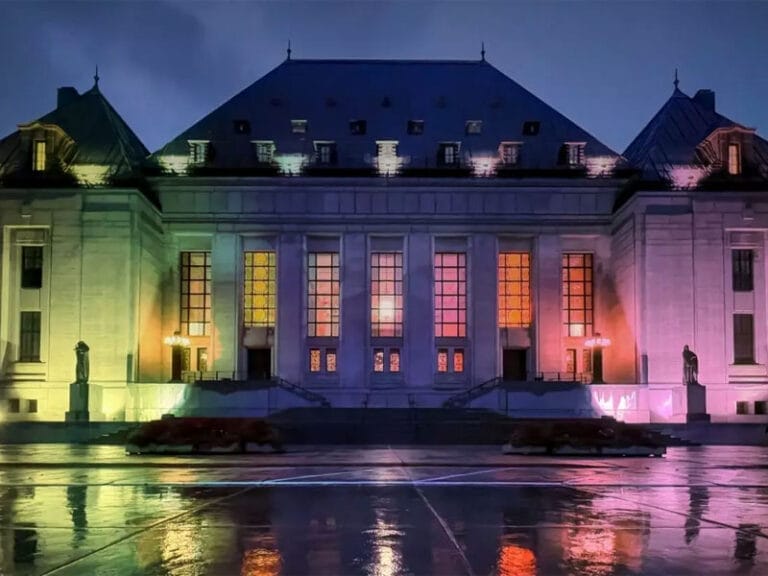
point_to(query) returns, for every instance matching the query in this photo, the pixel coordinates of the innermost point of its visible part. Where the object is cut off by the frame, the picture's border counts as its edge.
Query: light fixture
(596, 344)
(176, 340)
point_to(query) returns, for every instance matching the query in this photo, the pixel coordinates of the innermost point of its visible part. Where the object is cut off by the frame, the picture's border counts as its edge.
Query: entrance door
(514, 366)
(259, 363)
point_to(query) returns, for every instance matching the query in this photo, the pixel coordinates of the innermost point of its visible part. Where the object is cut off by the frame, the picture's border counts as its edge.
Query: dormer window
(574, 153)
(264, 150)
(199, 151)
(473, 127)
(387, 161)
(241, 126)
(415, 127)
(448, 154)
(509, 153)
(325, 152)
(734, 158)
(298, 126)
(38, 156)
(357, 127)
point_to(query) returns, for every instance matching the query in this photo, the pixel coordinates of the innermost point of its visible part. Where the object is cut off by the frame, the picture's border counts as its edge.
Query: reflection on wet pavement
(383, 512)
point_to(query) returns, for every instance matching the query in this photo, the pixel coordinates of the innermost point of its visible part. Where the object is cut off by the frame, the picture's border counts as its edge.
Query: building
(385, 233)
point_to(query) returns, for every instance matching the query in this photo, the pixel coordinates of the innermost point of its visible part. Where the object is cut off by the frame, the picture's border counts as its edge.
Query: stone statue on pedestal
(82, 369)
(690, 367)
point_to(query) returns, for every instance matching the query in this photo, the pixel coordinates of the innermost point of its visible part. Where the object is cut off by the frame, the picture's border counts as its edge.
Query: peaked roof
(100, 135)
(386, 94)
(673, 134)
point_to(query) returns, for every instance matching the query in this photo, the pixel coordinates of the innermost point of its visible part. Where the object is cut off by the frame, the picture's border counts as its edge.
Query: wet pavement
(91, 510)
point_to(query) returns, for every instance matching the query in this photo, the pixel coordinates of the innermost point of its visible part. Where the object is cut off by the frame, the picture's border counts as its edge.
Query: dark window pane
(743, 339)
(29, 341)
(31, 266)
(742, 270)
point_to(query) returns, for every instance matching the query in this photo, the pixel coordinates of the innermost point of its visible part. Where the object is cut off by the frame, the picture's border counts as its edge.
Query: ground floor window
(450, 360)
(743, 339)
(322, 360)
(386, 360)
(29, 338)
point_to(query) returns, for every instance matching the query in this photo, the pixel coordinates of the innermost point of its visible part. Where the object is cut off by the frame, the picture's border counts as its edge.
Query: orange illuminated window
(378, 360)
(394, 360)
(514, 289)
(314, 360)
(323, 294)
(450, 294)
(387, 294)
(442, 359)
(260, 290)
(458, 360)
(196, 293)
(734, 159)
(577, 294)
(330, 360)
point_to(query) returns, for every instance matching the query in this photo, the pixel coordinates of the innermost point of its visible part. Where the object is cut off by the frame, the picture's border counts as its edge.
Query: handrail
(461, 399)
(301, 391)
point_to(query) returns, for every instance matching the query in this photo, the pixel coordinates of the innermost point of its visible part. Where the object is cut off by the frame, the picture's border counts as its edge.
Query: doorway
(514, 364)
(259, 363)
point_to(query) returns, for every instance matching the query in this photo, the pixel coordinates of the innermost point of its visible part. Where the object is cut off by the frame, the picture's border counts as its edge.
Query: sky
(607, 65)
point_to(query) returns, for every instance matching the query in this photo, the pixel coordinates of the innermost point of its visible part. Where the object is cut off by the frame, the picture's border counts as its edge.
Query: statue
(82, 369)
(690, 367)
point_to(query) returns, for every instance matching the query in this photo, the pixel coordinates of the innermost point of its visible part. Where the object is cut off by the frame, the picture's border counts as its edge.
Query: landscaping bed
(203, 436)
(603, 437)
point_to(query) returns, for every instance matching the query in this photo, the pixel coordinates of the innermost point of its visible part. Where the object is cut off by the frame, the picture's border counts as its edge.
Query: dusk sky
(608, 66)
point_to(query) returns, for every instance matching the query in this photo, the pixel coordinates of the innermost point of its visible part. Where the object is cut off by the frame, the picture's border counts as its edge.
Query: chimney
(705, 99)
(66, 95)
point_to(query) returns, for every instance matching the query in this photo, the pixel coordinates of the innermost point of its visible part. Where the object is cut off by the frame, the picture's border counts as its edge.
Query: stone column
(290, 308)
(354, 311)
(547, 304)
(225, 256)
(419, 328)
(484, 343)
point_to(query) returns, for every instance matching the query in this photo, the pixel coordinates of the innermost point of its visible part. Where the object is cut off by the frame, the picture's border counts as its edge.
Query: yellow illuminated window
(38, 160)
(514, 289)
(323, 286)
(314, 360)
(260, 290)
(734, 159)
(450, 295)
(196, 293)
(387, 294)
(577, 294)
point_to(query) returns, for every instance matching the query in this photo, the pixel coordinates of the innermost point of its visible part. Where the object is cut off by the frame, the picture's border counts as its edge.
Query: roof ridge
(382, 61)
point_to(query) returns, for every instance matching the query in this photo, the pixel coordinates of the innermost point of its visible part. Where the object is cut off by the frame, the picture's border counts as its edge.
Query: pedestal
(696, 410)
(78, 403)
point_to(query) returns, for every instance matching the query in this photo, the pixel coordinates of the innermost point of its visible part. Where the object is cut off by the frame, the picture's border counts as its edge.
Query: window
(202, 359)
(314, 359)
(741, 261)
(458, 360)
(14, 405)
(570, 361)
(514, 285)
(509, 153)
(241, 126)
(586, 360)
(574, 153)
(199, 151)
(734, 159)
(264, 150)
(450, 295)
(577, 294)
(394, 360)
(448, 154)
(330, 360)
(743, 339)
(387, 161)
(196, 293)
(29, 340)
(442, 359)
(325, 152)
(323, 294)
(761, 407)
(32, 406)
(531, 127)
(386, 294)
(473, 127)
(298, 126)
(742, 407)
(38, 156)
(260, 293)
(378, 359)
(357, 127)
(415, 127)
(31, 267)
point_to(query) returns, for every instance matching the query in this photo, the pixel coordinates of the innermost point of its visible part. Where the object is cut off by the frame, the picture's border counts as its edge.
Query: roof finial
(676, 82)
(289, 49)
(96, 77)
(482, 51)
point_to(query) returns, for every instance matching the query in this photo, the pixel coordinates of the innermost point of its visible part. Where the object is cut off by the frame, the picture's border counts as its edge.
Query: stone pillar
(354, 311)
(485, 349)
(290, 353)
(225, 256)
(419, 328)
(547, 304)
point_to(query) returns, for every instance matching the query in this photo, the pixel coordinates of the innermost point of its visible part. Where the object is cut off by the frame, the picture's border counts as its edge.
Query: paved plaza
(91, 510)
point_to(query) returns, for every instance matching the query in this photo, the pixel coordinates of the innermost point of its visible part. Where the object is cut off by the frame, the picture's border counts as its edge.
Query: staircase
(466, 396)
(302, 392)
